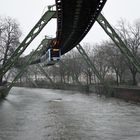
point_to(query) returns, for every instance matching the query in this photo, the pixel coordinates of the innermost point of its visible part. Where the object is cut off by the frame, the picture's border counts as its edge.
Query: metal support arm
(45, 73)
(26, 64)
(88, 61)
(29, 38)
(118, 41)
(107, 88)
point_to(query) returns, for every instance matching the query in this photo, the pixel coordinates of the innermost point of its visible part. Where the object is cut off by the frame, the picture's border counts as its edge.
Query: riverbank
(3, 92)
(127, 93)
(122, 92)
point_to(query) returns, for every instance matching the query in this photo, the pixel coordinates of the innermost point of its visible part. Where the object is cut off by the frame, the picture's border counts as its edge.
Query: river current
(45, 114)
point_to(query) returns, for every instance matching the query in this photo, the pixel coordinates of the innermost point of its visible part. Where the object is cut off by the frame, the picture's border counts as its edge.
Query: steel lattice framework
(29, 38)
(74, 19)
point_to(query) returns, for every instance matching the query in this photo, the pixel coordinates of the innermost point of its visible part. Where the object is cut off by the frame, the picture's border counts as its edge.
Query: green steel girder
(118, 41)
(28, 39)
(45, 73)
(26, 64)
(106, 86)
(88, 61)
(30, 80)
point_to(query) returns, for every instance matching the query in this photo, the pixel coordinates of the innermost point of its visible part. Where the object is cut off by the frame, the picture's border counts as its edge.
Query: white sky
(28, 12)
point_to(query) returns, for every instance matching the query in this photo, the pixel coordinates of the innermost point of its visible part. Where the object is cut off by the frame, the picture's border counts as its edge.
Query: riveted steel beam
(28, 39)
(107, 88)
(25, 65)
(118, 41)
(88, 61)
(31, 80)
(45, 73)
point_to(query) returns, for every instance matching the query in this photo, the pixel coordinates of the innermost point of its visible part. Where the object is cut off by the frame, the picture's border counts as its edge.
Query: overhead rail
(74, 19)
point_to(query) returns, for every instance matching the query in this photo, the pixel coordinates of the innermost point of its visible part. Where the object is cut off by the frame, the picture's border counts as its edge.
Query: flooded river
(43, 114)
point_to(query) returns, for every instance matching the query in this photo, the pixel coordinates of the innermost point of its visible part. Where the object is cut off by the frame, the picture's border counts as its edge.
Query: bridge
(38, 113)
(74, 20)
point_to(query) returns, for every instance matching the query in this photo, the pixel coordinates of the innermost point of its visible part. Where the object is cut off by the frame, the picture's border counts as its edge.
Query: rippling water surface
(42, 114)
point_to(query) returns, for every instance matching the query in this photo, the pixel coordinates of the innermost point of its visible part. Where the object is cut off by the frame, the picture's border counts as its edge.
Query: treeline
(109, 61)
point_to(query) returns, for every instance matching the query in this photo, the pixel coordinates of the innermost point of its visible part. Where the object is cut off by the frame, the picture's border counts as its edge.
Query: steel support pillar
(28, 39)
(33, 82)
(26, 64)
(118, 41)
(45, 73)
(107, 88)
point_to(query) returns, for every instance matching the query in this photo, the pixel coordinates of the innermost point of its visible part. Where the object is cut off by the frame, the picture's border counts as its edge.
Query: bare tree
(9, 39)
(69, 68)
(131, 36)
(86, 70)
(117, 62)
(101, 60)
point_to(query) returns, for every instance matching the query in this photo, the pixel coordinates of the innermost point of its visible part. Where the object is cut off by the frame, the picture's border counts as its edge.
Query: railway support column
(31, 80)
(106, 87)
(35, 54)
(118, 41)
(28, 39)
(45, 73)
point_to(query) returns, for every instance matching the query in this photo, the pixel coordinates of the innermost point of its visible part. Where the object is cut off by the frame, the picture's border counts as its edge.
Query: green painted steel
(29, 38)
(45, 73)
(107, 88)
(31, 80)
(118, 41)
(88, 61)
(26, 64)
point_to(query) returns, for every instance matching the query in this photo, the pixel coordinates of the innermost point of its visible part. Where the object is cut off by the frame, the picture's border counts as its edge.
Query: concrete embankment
(126, 93)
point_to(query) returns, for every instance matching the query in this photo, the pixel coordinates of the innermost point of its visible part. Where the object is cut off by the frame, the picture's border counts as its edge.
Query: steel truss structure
(28, 39)
(106, 87)
(45, 73)
(37, 29)
(118, 41)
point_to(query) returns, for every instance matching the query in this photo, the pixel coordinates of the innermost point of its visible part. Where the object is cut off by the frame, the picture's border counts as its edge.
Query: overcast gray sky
(28, 12)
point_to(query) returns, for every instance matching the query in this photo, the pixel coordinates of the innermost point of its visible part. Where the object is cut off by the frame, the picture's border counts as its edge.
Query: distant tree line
(72, 69)
(110, 62)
